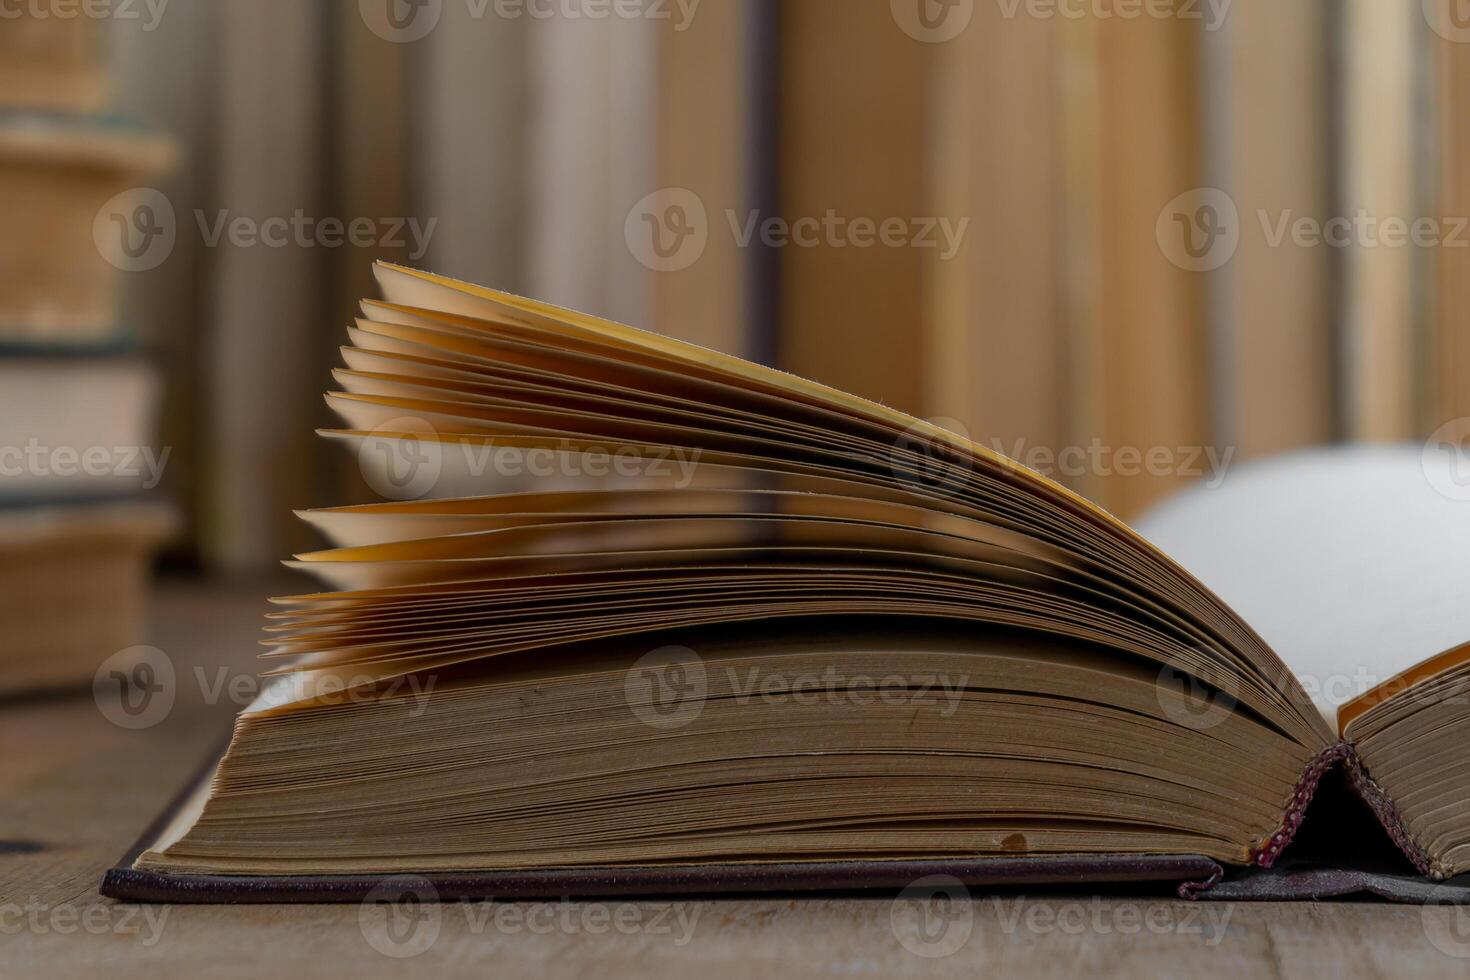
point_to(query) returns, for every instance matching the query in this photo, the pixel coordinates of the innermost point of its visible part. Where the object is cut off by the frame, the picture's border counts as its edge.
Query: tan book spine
(852, 143)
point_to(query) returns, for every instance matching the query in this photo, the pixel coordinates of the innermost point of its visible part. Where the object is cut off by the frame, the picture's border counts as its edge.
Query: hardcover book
(79, 524)
(67, 190)
(751, 633)
(73, 586)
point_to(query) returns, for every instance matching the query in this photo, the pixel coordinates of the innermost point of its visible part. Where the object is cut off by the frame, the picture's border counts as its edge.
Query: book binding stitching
(1388, 814)
(1268, 851)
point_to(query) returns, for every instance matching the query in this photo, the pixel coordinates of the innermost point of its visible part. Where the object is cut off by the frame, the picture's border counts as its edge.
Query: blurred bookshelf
(79, 400)
(1063, 143)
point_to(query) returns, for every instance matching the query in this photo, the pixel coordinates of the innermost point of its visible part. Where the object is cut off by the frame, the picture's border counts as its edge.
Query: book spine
(1265, 854)
(1388, 814)
(1378, 801)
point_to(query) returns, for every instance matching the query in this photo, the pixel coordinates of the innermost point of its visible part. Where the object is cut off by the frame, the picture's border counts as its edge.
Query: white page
(1353, 563)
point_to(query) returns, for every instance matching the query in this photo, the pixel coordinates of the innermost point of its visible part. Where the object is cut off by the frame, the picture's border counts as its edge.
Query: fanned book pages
(656, 618)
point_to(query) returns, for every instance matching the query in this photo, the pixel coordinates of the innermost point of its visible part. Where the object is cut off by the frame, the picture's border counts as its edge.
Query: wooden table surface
(77, 790)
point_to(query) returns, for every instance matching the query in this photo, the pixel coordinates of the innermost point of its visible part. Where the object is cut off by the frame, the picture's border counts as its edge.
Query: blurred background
(1130, 242)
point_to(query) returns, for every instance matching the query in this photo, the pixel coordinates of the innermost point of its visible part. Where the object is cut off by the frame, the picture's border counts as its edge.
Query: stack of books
(79, 467)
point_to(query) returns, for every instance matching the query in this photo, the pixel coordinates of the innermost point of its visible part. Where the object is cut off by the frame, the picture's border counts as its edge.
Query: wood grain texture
(78, 790)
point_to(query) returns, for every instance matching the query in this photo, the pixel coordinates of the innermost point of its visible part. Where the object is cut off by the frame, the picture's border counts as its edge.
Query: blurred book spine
(57, 173)
(1448, 352)
(79, 521)
(51, 62)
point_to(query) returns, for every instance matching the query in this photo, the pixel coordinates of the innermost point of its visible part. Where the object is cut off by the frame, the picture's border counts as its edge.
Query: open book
(684, 622)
